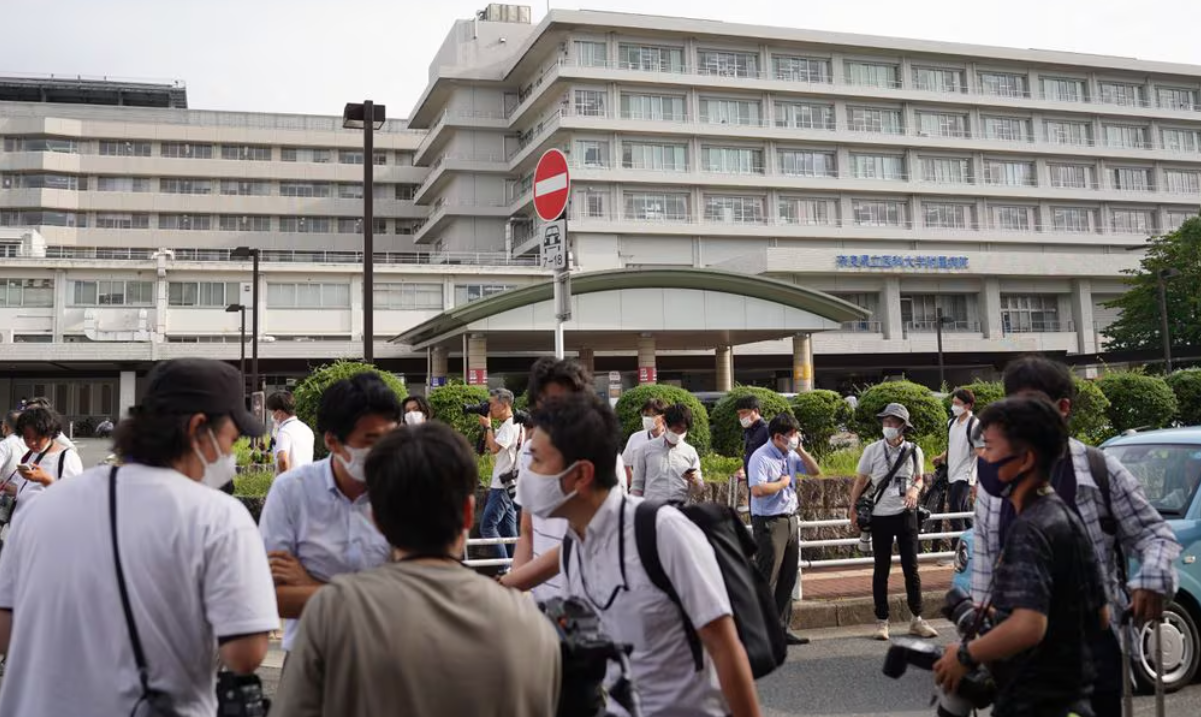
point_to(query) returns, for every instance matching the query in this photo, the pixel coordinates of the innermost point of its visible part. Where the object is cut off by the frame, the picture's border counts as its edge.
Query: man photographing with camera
(500, 516)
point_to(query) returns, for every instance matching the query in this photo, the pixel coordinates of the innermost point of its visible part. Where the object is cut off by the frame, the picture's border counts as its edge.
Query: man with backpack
(1121, 524)
(619, 556)
(960, 458)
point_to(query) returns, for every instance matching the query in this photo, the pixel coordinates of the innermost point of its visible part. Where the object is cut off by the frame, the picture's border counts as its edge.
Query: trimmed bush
(447, 402)
(986, 392)
(821, 414)
(723, 422)
(1089, 421)
(1137, 400)
(1186, 385)
(308, 392)
(630, 404)
(926, 412)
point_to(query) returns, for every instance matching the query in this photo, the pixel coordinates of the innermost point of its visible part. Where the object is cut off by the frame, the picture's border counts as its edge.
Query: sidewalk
(838, 597)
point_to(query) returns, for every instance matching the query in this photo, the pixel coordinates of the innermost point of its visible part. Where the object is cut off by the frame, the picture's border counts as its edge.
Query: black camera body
(241, 695)
(587, 651)
(483, 408)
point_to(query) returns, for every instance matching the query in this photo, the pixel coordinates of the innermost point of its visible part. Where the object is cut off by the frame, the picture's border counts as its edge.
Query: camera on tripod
(977, 689)
(587, 652)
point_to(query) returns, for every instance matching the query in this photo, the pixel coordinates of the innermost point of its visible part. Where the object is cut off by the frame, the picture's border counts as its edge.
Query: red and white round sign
(552, 185)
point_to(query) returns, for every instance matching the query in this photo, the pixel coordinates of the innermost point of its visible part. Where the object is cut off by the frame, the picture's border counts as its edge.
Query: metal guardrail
(486, 562)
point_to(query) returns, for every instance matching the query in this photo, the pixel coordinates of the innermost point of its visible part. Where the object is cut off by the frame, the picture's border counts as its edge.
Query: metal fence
(486, 562)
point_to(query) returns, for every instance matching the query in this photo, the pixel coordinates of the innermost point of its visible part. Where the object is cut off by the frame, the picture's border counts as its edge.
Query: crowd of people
(359, 552)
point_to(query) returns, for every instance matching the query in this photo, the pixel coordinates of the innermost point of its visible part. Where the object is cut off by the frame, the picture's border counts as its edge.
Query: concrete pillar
(439, 366)
(802, 363)
(1082, 315)
(890, 310)
(725, 368)
(127, 392)
(477, 360)
(587, 359)
(990, 310)
(647, 373)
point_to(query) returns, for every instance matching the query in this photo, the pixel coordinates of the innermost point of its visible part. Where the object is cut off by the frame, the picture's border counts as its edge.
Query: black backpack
(752, 605)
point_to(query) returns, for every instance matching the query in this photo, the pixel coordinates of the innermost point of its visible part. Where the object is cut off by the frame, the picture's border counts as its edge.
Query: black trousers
(959, 501)
(903, 529)
(1107, 688)
(777, 553)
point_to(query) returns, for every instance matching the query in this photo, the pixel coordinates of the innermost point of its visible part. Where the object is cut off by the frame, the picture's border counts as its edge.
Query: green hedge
(986, 392)
(822, 414)
(1137, 400)
(308, 392)
(253, 484)
(926, 413)
(630, 405)
(1090, 414)
(727, 432)
(447, 402)
(1186, 385)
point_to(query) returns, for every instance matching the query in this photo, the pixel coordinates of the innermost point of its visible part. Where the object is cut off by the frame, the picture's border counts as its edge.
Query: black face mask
(989, 475)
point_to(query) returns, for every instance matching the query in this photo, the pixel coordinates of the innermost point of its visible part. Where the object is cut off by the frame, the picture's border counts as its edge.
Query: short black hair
(568, 373)
(677, 414)
(1036, 373)
(965, 395)
(42, 421)
(348, 400)
(156, 435)
(583, 428)
(1030, 423)
(39, 401)
(654, 406)
(10, 420)
(423, 404)
(747, 403)
(782, 425)
(282, 401)
(418, 480)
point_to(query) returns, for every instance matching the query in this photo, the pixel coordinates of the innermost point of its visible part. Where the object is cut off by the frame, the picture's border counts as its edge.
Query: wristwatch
(965, 657)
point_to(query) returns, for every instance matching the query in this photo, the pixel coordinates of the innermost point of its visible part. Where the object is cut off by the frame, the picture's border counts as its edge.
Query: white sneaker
(920, 628)
(881, 632)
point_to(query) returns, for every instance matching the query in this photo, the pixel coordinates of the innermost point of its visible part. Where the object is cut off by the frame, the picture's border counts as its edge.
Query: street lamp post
(234, 309)
(1161, 278)
(368, 117)
(245, 252)
(939, 320)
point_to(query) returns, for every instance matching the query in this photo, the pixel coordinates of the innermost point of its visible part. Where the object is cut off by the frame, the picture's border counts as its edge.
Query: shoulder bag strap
(62, 461)
(138, 655)
(892, 472)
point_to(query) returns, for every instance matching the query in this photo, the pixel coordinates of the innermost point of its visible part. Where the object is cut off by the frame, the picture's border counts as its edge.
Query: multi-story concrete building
(998, 188)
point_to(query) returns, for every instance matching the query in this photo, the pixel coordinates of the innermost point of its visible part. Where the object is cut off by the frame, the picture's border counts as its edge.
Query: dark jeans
(777, 553)
(959, 501)
(903, 529)
(499, 521)
(1107, 688)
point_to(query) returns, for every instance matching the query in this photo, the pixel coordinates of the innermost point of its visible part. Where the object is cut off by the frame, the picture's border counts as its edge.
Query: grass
(253, 485)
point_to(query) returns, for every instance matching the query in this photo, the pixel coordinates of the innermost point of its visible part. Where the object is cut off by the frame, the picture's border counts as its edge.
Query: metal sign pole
(562, 292)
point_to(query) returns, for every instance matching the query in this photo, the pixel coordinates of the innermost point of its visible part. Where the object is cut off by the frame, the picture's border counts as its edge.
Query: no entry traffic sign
(552, 185)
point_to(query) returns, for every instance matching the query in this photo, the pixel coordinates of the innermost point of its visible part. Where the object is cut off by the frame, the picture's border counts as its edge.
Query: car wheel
(1181, 651)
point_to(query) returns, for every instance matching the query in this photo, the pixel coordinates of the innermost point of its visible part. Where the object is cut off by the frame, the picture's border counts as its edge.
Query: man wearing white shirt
(652, 428)
(293, 440)
(11, 447)
(500, 516)
(668, 469)
(961, 458)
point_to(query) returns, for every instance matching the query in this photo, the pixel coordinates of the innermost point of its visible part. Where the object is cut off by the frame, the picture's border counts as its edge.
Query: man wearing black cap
(148, 555)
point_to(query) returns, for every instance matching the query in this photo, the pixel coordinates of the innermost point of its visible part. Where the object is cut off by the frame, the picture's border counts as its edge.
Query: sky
(313, 56)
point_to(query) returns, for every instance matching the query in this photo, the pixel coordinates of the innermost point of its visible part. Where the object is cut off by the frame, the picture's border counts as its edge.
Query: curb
(818, 614)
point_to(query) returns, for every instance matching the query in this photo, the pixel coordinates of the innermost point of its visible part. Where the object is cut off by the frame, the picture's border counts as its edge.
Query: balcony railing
(292, 256)
(861, 327)
(1051, 326)
(930, 327)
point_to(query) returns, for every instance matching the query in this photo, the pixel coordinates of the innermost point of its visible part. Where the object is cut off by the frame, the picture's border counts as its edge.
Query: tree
(1138, 327)
(926, 412)
(822, 414)
(1137, 401)
(1186, 385)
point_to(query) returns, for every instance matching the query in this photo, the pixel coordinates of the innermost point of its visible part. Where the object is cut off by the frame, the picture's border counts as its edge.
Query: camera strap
(139, 655)
(906, 452)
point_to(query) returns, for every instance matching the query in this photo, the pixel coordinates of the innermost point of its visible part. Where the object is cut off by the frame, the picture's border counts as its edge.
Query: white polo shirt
(195, 569)
(507, 437)
(642, 616)
(295, 439)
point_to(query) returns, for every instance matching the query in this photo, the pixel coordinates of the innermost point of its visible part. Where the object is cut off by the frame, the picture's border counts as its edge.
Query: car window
(1170, 474)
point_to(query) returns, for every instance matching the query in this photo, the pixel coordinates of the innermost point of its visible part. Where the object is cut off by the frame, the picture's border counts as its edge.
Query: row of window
(216, 294)
(204, 186)
(818, 70)
(206, 222)
(1020, 313)
(191, 150)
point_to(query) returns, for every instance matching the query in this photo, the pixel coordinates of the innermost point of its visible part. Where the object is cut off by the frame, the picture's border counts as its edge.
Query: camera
(483, 408)
(240, 696)
(587, 652)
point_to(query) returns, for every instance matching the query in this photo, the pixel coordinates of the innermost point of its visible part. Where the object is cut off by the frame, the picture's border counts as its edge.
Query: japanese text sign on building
(906, 262)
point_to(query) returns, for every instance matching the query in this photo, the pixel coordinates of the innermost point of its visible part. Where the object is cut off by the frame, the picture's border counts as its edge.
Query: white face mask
(541, 494)
(958, 410)
(221, 471)
(648, 423)
(357, 465)
(674, 438)
(413, 418)
(746, 421)
(891, 433)
(794, 443)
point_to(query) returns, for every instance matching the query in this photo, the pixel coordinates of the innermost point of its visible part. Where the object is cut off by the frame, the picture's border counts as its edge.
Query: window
(946, 170)
(1182, 181)
(1126, 94)
(591, 54)
(802, 210)
(1071, 176)
(732, 160)
(122, 184)
(920, 312)
(466, 293)
(232, 223)
(1132, 179)
(734, 210)
(934, 79)
(350, 225)
(649, 58)
(310, 189)
(656, 206)
(1004, 84)
(380, 159)
(308, 295)
(591, 103)
(1030, 313)
(1175, 218)
(1172, 98)
(42, 144)
(801, 69)
(305, 225)
(185, 222)
(66, 182)
(1126, 135)
(868, 119)
(209, 294)
(661, 157)
(593, 202)
(406, 192)
(803, 115)
(300, 154)
(806, 163)
(408, 296)
(29, 293)
(940, 215)
(404, 159)
(1009, 173)
(112, 293)
(879, 213)
(407, 227)
(185, 186)
(1064, 89)
(653, 107)
(592, 152)
(1133, 221)
(235, 188)
(122, 148)
(1012, 219)
(350, 156)
(42, 219)
(1180, 140)
(721, 111)
(185, 150)
(1071, 133)
(345, 191)
(246, 152)
(878, 166)
(1007, 129)
(111, 220)
(1071, 219)
(728, 64)
(872, 74)
(940, 124)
